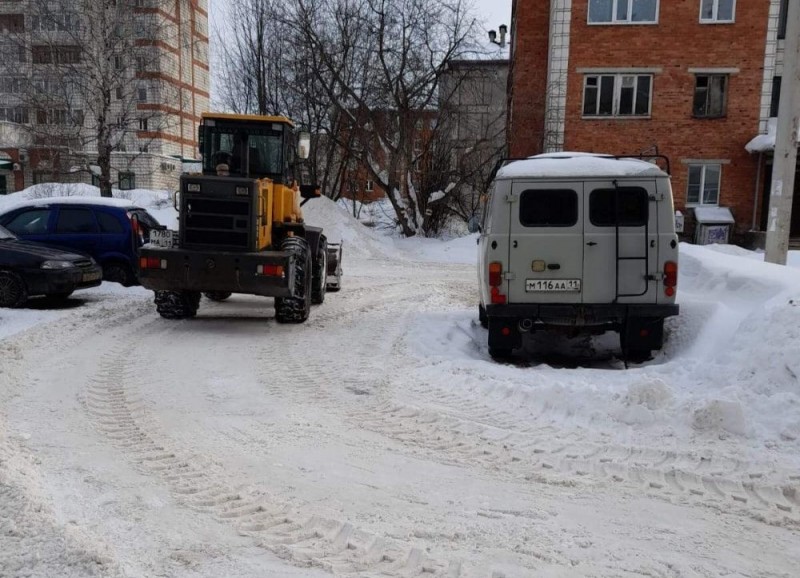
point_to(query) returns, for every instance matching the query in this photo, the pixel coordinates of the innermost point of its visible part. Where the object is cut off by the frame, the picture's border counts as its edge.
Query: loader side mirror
(310, 191)
(304, 145)
(175, 199)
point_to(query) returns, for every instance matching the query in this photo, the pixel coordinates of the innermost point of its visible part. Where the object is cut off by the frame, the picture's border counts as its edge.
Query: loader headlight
(193, 187)
(242, 191)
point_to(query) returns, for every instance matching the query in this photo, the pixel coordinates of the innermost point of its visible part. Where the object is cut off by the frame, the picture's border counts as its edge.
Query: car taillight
(136, 227)
(152, 263)
(270, 270)
(670, 278)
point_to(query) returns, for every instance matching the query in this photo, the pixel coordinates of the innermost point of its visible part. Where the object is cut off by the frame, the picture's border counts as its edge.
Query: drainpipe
(758, 187)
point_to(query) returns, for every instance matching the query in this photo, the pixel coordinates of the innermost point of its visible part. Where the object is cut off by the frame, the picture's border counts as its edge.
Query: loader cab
(251, 146)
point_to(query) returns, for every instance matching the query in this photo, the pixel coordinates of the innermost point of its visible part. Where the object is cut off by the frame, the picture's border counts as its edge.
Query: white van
(581, 243)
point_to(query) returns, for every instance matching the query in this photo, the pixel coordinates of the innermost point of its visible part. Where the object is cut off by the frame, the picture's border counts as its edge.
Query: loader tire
(296, 309)
(319, 280)
(177, 304)
(217, 295)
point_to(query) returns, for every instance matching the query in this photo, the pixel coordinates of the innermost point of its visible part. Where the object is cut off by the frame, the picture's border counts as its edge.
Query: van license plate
(545, 285)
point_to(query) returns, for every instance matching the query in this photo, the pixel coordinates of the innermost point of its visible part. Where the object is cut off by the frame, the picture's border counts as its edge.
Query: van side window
(624, 206)
(548, 208)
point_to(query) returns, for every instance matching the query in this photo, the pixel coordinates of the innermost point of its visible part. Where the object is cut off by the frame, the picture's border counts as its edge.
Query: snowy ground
(379, 439)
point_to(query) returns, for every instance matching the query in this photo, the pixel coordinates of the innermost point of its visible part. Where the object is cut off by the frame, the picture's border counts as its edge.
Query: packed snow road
(377, 439)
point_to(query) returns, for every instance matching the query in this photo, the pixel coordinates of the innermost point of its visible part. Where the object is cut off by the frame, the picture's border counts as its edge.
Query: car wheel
(217, 295)
(13, 291)
(119, 273)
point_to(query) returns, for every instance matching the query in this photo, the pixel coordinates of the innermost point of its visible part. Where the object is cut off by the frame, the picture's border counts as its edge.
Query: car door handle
(591, 243)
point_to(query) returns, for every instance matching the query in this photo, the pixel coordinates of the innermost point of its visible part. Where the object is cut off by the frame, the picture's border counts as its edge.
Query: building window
(782, 19)
(709, 95)
(142, 124)
(118, 63)
(127, 181)
(142, 93)
(617, 95)
(18, 115)
(774, 106)
(717, 10)
(11, 84)
(56, 55)
(623, 11)
(12, 23)
(704, 183)
(369, 186)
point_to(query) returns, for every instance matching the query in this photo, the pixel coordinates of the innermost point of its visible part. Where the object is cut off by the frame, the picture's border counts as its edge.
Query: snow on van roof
(578, 164)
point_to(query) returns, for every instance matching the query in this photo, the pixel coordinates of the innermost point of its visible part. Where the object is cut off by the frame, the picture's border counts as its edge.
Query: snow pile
(51, 191)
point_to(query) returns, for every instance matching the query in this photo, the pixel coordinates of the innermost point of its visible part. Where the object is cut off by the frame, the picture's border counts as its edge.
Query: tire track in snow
(301, 538)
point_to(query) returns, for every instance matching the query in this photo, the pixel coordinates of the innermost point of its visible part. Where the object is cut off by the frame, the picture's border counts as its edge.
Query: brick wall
(671, 48)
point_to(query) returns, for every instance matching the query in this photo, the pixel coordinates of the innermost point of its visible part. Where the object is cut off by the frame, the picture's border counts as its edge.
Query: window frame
(725, 91)
(617, 92)
(700, 202)
(126, 180)
(614, 11)
(715, 13)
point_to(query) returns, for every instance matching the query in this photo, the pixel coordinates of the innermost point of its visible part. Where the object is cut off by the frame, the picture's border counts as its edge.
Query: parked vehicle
(109, 230)
(580, 243)
(28, 269)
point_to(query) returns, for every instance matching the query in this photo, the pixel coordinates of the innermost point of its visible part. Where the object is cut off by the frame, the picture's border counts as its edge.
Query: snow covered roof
(713, 215)
(764, 142)
(578, 164)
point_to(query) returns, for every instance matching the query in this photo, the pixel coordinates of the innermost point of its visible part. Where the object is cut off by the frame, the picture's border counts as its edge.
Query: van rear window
(626, 206)
(548, 208)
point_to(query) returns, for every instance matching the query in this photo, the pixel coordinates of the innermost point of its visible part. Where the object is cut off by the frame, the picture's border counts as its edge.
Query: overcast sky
(495, 12)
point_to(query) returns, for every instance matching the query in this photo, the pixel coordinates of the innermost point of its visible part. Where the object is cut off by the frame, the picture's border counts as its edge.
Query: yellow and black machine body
(241, 227)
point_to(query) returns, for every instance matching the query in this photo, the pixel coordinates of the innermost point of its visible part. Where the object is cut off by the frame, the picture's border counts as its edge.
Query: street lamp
(493, 36)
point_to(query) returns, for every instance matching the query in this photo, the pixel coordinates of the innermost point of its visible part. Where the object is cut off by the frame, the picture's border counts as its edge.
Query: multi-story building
(695, 80)
(154, 111)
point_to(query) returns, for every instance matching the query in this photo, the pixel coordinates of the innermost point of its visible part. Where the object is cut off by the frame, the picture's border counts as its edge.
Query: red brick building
(695, 80)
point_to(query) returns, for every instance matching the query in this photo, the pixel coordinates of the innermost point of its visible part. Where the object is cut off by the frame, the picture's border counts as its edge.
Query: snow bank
(582, 165)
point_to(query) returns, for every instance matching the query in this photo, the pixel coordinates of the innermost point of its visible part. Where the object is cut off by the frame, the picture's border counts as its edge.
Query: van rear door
(620, 242)
(546, 242)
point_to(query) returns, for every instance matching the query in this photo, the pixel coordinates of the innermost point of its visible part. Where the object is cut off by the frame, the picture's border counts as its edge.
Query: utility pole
(786, 139)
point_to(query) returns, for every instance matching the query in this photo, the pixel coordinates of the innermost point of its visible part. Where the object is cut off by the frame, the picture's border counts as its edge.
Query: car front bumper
(55, 281)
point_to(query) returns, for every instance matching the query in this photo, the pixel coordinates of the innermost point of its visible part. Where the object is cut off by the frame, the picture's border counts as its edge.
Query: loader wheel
(177, 304)
(217, 295)
(296, 309)
(319, 279)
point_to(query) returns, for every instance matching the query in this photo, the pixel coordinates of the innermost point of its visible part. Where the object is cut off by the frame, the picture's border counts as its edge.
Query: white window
(623, 11)
(370, 187)
(704, 184)
(142, 124)
(617, 95)
(142, 94)
(717, 10)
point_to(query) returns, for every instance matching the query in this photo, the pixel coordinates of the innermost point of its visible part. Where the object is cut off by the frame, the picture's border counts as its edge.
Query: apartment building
(695, 80)
(158, 90)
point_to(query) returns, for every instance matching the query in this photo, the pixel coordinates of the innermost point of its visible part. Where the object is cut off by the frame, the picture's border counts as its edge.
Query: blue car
(110, 230)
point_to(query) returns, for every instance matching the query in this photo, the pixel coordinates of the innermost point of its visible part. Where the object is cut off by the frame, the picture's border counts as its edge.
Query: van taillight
(495, 274)
(495, 280)
(670, 278)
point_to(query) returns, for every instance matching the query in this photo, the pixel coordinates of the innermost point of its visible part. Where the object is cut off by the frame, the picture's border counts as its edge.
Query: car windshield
(5, 234)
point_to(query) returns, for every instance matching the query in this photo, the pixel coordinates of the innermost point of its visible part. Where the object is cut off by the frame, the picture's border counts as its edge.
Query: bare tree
(88, 78)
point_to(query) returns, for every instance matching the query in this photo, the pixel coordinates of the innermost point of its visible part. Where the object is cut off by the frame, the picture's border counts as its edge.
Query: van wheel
(119, 273)
(499, 354)
(482, 318)
(13, 292)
